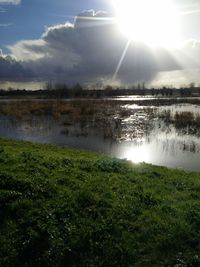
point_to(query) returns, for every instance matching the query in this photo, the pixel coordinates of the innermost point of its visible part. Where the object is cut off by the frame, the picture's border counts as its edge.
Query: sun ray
(121, 59)
(93, 20)
(190, 12)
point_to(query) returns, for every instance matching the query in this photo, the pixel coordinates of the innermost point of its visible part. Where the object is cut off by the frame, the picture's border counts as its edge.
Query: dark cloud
(10, 69)
(89, 50)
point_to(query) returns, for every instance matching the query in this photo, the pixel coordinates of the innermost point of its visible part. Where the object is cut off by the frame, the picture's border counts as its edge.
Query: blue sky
(28, 19)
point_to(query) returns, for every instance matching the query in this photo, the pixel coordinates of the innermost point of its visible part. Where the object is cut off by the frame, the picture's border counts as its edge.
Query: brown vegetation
(114, 118)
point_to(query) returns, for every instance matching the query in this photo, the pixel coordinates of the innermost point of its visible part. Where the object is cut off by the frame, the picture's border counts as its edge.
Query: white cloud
(10, 2)
(90, 49)
(177, 78)
(5, 24)
(24, 50)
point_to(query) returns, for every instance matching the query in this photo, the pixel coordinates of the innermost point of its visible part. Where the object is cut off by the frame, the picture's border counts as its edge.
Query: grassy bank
(65, 207)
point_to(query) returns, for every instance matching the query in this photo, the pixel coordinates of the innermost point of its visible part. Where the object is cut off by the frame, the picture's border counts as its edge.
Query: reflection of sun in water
(154, 22)
(138, 154)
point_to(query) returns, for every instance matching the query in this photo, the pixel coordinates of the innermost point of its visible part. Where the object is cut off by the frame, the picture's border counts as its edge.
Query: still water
(140, 134)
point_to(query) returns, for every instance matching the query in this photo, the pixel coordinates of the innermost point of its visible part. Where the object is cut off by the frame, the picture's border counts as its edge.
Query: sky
(103, 41)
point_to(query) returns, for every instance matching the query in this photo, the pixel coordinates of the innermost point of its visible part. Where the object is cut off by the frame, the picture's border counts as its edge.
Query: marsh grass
(181, 120)
(84, 106)
(184, 119)
(112, 119)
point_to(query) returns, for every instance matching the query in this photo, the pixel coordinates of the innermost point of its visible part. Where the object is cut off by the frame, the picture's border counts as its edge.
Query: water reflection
(138, 133)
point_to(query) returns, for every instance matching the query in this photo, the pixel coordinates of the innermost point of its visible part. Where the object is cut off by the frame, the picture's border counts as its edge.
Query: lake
(162, 131)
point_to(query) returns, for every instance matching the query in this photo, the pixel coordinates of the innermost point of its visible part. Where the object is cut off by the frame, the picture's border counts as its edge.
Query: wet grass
(65, 207)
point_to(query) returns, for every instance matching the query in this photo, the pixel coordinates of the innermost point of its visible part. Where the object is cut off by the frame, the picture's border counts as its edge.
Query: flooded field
(161, 131)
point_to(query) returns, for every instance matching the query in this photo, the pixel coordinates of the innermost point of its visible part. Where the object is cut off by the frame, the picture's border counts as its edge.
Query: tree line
(61, 90)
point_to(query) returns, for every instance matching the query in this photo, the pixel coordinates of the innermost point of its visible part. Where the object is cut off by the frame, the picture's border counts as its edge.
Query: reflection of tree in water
(191, 147)
(172, 147)
(175, 138)
(185, 122)
(28, 125)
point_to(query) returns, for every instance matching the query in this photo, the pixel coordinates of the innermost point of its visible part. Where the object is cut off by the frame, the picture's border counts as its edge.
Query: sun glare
(153, 22)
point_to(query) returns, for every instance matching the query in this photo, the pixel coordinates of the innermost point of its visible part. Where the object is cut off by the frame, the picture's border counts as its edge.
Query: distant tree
(48, 86)
(143, 86)
(163, 91)
(192, 85)
(78, 87)
(109, 88)
(60, 86)
(77, 90)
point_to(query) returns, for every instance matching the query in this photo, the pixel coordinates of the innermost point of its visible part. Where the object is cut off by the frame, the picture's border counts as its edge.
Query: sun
(154, 22)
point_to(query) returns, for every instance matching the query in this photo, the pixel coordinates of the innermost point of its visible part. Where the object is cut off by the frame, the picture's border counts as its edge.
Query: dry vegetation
(113, 118)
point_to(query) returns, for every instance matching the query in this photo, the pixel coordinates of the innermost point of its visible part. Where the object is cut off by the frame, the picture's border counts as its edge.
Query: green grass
(65, 207)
